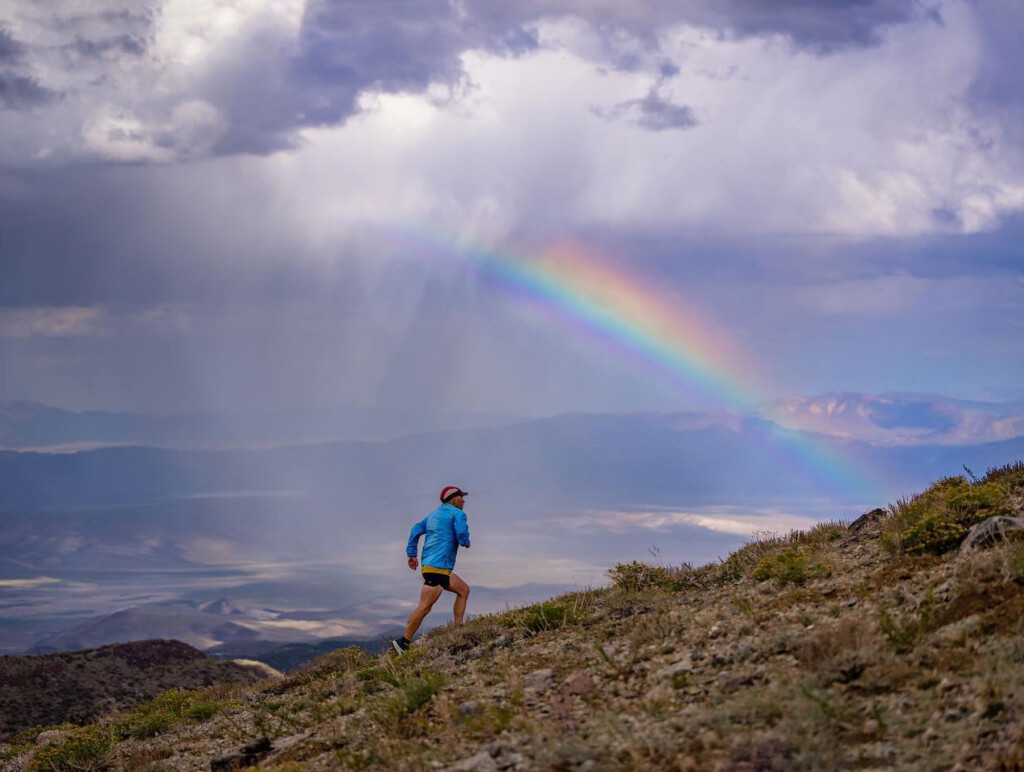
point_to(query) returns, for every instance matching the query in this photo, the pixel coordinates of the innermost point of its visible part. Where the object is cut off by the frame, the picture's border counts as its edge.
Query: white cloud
(21, 584)
(93, 321)
(729, 520)
(66, 322)
(861, 143)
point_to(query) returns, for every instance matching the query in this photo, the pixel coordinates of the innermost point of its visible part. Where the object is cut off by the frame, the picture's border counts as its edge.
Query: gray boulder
(992, 531)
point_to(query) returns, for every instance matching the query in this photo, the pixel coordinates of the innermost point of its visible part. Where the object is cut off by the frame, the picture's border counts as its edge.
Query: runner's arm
(412, 549)
(462, 529)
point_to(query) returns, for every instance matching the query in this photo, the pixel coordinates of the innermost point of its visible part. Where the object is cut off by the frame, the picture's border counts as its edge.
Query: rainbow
(644, 322)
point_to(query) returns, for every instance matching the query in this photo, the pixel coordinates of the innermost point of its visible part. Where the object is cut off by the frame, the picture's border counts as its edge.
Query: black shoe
(400, 645)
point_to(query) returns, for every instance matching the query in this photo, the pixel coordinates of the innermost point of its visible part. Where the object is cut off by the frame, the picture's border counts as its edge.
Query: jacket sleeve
(414, 538)
(461, 528)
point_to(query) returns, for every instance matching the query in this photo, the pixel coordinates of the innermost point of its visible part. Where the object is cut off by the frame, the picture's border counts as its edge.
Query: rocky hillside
(894, 642)
(80, 686)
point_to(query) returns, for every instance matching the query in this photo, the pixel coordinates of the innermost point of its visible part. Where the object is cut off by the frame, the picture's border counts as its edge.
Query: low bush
(166, 711)
(936, 521)
(790, 566)
(767, 546)
(1009, 477)
(906, 631)
(642, 577)
(397, 713)
(88, 749)
(549, 615)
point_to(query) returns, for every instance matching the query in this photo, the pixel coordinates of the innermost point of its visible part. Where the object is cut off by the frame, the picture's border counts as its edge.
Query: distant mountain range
(30, 425)
(657, 458)
(886, 419)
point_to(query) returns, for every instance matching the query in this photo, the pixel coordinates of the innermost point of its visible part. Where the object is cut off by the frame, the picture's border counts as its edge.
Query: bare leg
(461, 590)
(428, 596)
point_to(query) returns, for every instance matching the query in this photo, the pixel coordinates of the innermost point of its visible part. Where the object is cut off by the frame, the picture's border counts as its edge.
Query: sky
(271, 204)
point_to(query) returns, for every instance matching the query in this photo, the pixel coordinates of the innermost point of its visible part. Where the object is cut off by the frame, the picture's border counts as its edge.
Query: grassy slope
(838, 648)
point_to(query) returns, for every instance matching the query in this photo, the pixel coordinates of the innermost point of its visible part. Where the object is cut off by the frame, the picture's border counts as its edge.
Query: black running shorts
(436, 580)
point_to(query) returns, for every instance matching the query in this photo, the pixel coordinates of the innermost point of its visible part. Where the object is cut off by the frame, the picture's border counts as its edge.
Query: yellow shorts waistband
(432, 570)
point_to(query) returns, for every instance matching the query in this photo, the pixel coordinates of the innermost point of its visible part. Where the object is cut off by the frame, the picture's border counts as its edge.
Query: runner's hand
(413, 563)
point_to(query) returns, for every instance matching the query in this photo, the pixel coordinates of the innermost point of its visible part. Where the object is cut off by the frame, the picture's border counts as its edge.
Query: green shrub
(790, 566)
(1010, 477)
(1015, 561)
(89, 749)
(937, 533)
(416, 692)
(905, 632)
(642, 577)
(413, 693)
(549, 615)
(767, 545)
(334, 663)
(166, 711)
(937, 520)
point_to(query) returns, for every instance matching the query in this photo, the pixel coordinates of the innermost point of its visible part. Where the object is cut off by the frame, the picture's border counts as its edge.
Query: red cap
(450, 492)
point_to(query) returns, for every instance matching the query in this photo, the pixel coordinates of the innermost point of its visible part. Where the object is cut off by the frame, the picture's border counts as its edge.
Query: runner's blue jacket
(446, 528)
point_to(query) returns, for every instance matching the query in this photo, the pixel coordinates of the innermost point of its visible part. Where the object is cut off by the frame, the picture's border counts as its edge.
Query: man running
(446, 529)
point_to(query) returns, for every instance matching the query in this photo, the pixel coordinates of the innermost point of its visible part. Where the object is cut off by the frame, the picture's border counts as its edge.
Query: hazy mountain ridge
(595, 456)
(888, 418)
(27, 425)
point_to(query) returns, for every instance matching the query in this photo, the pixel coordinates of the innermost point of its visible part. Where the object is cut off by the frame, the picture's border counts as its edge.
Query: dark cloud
(822, 26)
(269, 85)
(819, 25)
(126, 44)
(652, 112)
(10, 49)
(658, 114)
(344, 49)
(998, 88)
(18, 92)
(350, 46)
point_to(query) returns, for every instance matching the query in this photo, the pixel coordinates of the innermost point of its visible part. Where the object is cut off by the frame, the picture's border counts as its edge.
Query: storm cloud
(250, 74)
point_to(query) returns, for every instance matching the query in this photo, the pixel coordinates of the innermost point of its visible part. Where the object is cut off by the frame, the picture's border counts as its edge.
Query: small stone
(870, 727)
(659, 694)
(52, 736)
(512, 761)
(850, 603)
(718, 659)
(588, 766)
(685, 665)
(539, 679)
(480, 761)
(945, 685)
(468, 708)
(579, 683)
